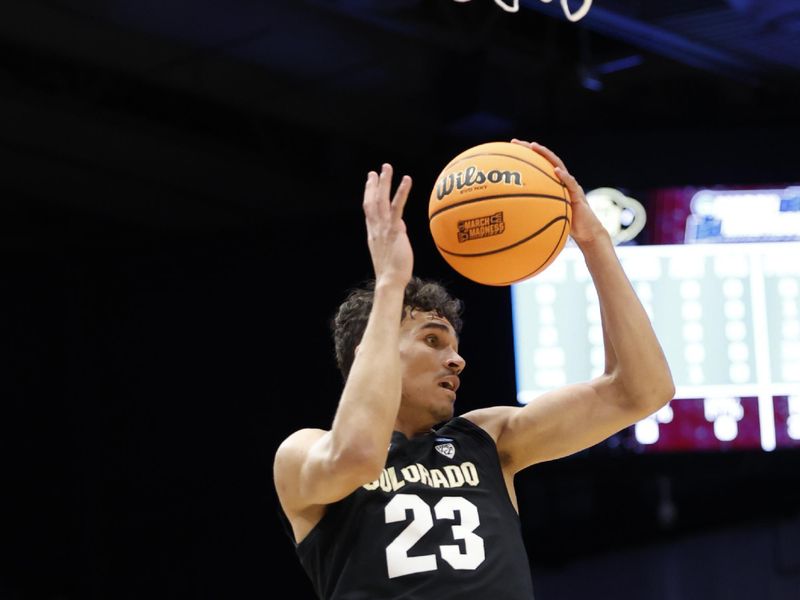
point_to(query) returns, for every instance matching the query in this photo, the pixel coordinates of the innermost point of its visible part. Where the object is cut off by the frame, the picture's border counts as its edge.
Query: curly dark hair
(351, 318)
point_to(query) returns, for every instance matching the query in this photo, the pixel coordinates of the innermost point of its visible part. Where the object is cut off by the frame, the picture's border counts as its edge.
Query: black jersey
(437, 525)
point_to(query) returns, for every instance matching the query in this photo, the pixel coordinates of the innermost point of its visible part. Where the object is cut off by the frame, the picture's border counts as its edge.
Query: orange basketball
(499, 214)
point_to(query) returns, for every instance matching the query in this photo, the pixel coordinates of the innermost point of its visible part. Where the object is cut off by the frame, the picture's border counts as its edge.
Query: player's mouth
(450, 383)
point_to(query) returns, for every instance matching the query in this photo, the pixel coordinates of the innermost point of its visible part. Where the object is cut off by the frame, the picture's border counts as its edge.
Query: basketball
(499, 214)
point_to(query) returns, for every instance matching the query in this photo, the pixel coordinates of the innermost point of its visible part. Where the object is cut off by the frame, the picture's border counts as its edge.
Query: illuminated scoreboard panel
(726, 315)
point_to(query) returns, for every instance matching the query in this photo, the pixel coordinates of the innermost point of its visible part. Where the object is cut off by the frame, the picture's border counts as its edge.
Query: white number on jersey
(397, 559)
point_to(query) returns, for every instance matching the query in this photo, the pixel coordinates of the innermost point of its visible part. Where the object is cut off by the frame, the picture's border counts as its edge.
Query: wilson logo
(472, 176)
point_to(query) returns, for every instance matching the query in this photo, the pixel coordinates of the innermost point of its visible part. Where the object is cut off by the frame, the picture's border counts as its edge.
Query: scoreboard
(727, 318)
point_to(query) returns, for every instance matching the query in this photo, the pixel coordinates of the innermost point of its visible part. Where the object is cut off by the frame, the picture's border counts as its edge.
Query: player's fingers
(543, 150)
(573, 187)
(548, 154)
(370, 193)
(384, 186)
(400, 197)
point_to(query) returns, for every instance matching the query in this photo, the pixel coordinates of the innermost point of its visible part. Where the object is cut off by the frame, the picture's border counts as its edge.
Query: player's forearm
(633, 353)
(367, 411)
(608, 348)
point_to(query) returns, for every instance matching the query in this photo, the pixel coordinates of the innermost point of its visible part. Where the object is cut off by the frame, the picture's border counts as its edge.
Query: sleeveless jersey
(437, 525)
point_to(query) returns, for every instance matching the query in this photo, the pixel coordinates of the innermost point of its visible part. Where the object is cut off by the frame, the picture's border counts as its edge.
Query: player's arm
(319, 467)
(636, 381)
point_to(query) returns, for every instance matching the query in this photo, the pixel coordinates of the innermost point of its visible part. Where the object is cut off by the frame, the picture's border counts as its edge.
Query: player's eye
(432, 339)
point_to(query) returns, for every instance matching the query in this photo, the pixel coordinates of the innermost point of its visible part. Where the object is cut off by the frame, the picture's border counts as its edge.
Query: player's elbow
(651, 379)
(663, 386)
(657, 394)
(668, 391)
(645, 395)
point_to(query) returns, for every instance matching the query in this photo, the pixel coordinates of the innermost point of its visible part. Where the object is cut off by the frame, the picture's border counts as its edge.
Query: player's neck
(412, 429)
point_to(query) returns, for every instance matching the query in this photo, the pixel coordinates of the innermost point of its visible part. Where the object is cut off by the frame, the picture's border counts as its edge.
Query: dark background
(181, 214)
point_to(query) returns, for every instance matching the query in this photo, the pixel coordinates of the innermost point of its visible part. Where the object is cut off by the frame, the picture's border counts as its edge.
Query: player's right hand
(389, 246)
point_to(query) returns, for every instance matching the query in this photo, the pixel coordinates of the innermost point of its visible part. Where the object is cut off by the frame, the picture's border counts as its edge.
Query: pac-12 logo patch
(447, 450)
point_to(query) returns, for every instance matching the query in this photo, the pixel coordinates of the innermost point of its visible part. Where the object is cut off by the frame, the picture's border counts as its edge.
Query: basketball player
(400, 499)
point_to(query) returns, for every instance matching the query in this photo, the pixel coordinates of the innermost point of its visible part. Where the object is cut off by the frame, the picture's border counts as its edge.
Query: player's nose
(455, 363)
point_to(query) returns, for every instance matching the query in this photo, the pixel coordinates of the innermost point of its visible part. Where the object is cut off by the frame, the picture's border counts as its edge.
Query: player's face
(431, 364)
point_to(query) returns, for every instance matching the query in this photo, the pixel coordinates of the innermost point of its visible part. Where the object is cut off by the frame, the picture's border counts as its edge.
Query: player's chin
(444, 412)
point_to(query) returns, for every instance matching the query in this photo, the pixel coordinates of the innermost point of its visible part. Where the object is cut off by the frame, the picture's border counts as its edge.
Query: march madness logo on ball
(481, 227)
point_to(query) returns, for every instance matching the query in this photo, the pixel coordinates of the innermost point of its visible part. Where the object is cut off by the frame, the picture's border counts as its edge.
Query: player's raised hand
(389, 246)
(585, 226)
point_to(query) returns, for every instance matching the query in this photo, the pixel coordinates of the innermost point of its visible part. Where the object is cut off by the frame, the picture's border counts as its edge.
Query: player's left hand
(585, 226)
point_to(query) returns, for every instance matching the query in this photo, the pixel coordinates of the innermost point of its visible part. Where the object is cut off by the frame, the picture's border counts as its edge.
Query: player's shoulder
(298, 442)
(302, 437)
(492, 419)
